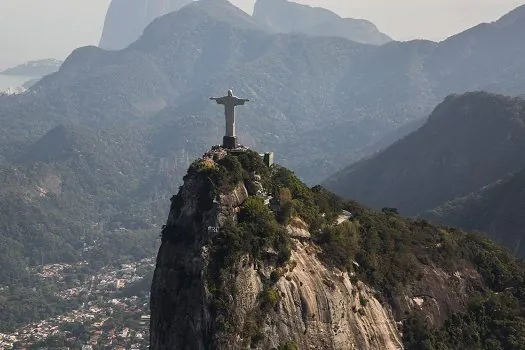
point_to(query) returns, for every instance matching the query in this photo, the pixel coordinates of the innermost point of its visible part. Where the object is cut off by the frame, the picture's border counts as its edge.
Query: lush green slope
(469, 141)
(75, 195)
(496, 209)
(455, 170)
(133, 118)
(395, 255)
(472, 291)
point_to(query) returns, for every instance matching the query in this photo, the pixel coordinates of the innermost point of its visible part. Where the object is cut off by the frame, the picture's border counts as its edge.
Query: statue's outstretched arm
(241, 101)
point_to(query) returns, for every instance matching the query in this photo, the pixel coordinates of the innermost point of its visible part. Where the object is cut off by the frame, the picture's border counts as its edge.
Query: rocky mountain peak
(251, 257)
(126, 19)
(230, 275)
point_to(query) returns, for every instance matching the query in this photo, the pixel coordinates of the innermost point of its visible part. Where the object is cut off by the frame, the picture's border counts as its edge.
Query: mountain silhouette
(469, 141)
(362, 93)
(126, 20)
(283, 16)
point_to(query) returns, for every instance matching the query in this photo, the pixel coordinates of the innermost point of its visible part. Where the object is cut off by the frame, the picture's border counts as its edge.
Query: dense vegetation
(468, 142)
(496, 209)
(257, 233)
(73, 196)
(388, 252)
(458, 176)
(105, 178)
(494, 321)
(391, 252)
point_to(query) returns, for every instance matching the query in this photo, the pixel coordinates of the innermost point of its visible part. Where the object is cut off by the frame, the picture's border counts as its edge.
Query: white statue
(230, 102)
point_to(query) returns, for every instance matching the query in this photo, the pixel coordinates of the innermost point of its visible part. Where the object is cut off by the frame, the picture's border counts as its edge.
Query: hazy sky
(31, 29)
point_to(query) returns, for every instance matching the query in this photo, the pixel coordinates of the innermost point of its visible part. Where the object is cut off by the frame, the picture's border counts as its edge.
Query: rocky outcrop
(321, 308)
(316, 306)
(126, 19)
(438, 294)
(253, 258)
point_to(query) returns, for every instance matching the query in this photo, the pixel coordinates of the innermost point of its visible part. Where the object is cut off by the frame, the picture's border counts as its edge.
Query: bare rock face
(321, 308)
(439, 294)
(308, 304)
(126, 20)
(238, 270)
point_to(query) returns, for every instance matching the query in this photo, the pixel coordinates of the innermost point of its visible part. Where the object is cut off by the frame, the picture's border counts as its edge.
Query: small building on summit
(267, 158)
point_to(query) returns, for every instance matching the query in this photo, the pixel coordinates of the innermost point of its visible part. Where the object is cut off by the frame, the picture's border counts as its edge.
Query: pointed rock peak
(126, 20)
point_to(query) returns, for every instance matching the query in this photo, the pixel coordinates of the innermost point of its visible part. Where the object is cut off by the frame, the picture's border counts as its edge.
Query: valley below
(106, 309)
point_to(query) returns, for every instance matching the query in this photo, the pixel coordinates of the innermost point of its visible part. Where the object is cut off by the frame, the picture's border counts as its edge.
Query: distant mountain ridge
(293, 80)
(469, 141)
(463, 168)
(37, 68)
(126, 20)
(98, 145)
(16, 80)
(283, 16)
(147, 106)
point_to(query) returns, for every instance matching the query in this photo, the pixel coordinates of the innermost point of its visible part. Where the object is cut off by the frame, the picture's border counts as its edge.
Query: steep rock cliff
(318, 306)
(126, 19)
(252, 258)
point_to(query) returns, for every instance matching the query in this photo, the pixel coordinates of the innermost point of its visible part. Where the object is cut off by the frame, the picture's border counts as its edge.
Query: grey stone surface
(126, 20)
(315, 310)
(229, 142)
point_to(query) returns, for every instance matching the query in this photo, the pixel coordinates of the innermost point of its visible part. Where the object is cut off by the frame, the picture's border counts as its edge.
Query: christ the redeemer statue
(230, 102)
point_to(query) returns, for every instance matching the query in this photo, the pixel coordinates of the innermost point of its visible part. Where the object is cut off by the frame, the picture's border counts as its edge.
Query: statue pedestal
(229, 142)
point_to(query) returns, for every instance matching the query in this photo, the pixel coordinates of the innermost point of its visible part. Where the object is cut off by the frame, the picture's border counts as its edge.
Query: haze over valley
(108, 129)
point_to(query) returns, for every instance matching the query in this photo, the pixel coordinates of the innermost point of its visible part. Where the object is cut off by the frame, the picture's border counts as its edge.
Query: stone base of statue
(229, 142)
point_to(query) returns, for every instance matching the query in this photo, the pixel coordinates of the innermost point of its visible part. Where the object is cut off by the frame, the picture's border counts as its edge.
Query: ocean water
(7, 81)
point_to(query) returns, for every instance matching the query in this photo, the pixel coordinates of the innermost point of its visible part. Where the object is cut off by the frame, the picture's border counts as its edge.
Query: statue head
(230, 93)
